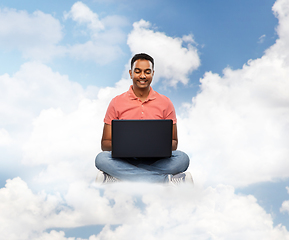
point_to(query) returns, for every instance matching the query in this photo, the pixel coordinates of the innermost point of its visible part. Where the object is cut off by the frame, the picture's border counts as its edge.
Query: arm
(175, 137)
(106, 138)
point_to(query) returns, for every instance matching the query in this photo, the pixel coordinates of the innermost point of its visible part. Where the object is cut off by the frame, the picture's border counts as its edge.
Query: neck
(141, 93)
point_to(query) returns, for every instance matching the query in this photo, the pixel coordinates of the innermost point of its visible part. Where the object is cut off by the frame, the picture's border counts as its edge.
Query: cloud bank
(139, 211)
(238, 124)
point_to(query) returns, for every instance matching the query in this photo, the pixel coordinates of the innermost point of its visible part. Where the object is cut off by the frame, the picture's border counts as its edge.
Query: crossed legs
(144, 170)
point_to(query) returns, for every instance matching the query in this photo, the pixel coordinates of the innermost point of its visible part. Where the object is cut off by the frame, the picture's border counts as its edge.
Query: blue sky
(221, 31)
(223, 64)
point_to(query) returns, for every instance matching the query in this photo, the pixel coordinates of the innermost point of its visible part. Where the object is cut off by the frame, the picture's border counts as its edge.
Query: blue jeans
(140, 169)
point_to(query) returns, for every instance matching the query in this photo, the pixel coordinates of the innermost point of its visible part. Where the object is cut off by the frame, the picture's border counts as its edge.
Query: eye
(136, 70)
(148, 72)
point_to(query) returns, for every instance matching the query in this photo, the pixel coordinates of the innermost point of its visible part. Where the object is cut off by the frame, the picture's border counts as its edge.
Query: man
(141, 102)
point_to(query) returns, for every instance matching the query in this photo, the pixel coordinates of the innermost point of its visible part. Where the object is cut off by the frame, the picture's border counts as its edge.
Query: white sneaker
(180, 178)
(104, 178)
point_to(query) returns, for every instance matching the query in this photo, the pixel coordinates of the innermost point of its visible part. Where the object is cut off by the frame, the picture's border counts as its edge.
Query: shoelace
(110, 179)
(177, 180)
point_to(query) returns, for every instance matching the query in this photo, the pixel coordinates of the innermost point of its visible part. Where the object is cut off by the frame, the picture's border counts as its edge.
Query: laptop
(142, 138)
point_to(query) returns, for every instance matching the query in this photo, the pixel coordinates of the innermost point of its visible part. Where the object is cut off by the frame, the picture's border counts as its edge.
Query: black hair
(142, 56)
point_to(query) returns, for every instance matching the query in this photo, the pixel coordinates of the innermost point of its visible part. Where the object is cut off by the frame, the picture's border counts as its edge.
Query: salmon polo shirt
(128, 106)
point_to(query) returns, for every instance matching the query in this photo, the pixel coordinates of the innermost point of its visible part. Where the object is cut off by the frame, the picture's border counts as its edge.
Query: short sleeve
(110, 112)
(171, 113)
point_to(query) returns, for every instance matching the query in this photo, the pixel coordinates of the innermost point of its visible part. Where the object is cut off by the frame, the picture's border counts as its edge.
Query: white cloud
(214, 213)
(66, 144)
(236, 129)
(106, 35)
(23, 212)
(173, 61)
(33, 88)
(83, 15)
(141, 210)
(36, 35)
(26, 215)
(281, 48)
(23, 96)
(285, 204)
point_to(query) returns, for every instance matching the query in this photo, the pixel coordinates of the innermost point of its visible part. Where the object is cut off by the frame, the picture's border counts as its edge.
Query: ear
(130, 73)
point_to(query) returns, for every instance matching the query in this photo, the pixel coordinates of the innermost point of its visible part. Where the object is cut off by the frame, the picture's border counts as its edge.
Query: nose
(142, 75)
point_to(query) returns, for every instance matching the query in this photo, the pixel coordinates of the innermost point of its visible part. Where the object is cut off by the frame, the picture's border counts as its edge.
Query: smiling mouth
(142, 81)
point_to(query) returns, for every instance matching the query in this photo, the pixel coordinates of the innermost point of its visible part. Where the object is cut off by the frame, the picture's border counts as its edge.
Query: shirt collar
(151, 96)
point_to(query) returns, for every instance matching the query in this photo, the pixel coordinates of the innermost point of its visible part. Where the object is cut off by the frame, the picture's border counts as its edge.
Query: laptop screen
(142, 138)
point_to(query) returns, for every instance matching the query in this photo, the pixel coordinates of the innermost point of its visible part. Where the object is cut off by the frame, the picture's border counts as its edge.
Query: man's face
(141, 73)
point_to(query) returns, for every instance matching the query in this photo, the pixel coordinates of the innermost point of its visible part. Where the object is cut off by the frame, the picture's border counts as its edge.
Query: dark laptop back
(142, 138)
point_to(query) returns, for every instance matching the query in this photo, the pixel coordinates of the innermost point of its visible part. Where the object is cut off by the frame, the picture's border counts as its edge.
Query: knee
(101, 158)
(186, 159)
(183, 157)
